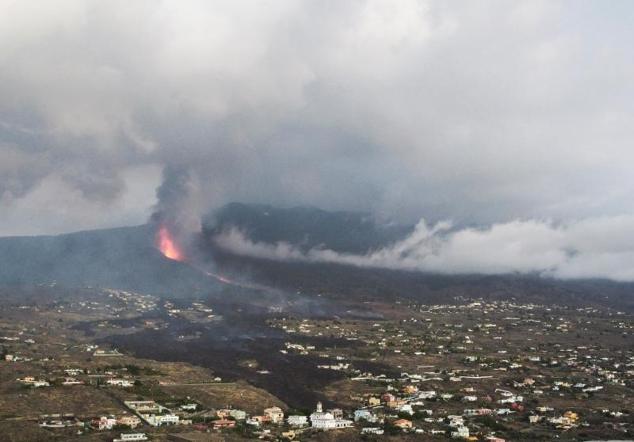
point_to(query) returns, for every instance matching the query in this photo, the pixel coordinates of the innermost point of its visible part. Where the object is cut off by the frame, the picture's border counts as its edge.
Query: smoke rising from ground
(592, 248)
(179, 201)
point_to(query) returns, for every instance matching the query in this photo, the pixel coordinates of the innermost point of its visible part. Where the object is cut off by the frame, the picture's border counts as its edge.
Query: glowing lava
(220, 278)
(168, 246)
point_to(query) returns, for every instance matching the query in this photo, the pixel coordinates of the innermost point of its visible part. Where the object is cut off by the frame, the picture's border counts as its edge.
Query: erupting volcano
(170, 249)
(168, 246)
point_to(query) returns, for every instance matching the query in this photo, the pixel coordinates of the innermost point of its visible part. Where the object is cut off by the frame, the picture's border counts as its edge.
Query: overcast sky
(479, 113)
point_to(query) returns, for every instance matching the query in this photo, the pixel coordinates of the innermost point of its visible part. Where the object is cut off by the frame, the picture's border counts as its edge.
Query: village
(471, 370)
(479, 369)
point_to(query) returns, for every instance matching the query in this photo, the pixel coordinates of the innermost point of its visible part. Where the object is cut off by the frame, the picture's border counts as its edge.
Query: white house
(131, 437)
(116, 382)
(297, 421)
(427, 394)
(372, 430)
(460, 433)
(511, 399)
(363, 414)
(71, 381)
(163, 419)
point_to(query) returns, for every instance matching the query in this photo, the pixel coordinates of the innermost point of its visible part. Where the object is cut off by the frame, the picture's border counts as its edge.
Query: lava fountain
(170, 249)
(168, 246)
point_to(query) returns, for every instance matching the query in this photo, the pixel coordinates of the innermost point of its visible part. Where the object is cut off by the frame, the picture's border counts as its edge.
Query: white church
(326, 420)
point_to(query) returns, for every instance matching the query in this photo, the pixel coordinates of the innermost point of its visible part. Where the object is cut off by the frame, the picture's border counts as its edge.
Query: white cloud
(54, 206)
(592, 248)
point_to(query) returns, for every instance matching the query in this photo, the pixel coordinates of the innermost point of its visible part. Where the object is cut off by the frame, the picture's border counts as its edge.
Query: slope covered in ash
(306, 227)
(336, 281)
(119, 258)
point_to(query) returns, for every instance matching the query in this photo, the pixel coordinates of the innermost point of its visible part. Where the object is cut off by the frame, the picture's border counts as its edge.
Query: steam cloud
(592, 248)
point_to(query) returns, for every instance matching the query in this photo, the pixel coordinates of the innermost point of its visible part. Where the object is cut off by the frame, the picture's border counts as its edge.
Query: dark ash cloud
(481, 113)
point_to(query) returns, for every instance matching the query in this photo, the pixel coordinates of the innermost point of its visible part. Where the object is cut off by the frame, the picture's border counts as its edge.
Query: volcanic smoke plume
(177, 214)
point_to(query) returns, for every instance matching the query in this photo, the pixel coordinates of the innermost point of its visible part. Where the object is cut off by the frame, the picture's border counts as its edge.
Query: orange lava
(168, 246)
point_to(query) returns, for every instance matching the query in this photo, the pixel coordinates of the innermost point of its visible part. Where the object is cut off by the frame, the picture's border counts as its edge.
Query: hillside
(122, 257)
(126, 258)
(306, 227)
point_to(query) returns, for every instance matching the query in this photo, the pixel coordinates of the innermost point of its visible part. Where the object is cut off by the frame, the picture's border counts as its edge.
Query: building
(403, 424)
(253, 422)
(363, 414)
(430, 394)
(275, 415)
(398, 403)
(297, 421)
(115, 382)
(129, 421)
(460, 433)
(410, 389)
(238, 415)
(71, 381)
(511, 399)
(31, 381)
(104, 422)
(336, 412)
(163, 419)
(326, 420)
(107, 353)
(130, 437)
(144, 407)
(388, 397)
(372, 430)
(223, 423)
(260, 419)
(223, 413)
(571, 415)
(455, 420)
(59, 421)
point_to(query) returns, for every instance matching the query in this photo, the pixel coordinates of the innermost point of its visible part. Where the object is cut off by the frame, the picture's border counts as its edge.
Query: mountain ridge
(126, 258)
